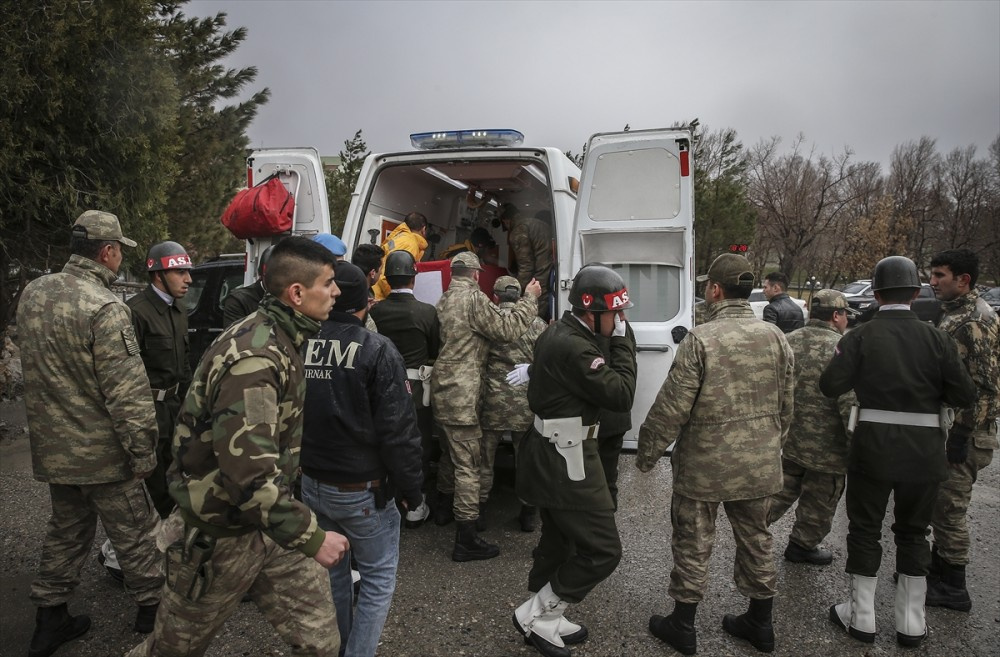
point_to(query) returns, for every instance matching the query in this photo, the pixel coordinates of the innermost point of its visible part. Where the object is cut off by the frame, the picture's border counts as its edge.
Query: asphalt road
(445, 608)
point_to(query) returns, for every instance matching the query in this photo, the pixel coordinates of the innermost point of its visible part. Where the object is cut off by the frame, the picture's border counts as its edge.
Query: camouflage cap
(729, 269)
(466, 260)
(829, 299)
(505, 282)
(98, 225)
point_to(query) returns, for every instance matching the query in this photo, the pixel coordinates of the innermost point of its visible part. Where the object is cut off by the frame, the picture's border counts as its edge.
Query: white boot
(857, 615)
(539, 618)
(911, 628)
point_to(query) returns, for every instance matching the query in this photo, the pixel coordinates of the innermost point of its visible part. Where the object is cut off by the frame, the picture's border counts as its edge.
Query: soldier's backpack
(263, 210)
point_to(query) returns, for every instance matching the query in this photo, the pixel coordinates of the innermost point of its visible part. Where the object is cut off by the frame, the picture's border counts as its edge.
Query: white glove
(519, 375)
(619, 327)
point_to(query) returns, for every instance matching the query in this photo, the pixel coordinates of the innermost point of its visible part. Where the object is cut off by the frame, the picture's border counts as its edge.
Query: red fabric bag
(260, 211)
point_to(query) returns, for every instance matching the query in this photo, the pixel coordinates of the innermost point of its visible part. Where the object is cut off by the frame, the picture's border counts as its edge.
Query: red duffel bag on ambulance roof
(260, 211)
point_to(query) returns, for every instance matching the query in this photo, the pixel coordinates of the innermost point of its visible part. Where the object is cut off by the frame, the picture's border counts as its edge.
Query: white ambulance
(631, 208)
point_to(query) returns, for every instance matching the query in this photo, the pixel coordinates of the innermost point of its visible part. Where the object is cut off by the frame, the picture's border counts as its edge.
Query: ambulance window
(656, 171)
(654, 291)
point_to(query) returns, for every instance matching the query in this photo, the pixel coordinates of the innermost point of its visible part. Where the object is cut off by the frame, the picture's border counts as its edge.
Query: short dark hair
(463, 272)
(90, 249)
(367, 257)
(736, 291)
(415, 220)
(959, 261)
(777, 278)
(897, 294)
(296, 260)
(824, 314)
(396, 282)
(508, 295)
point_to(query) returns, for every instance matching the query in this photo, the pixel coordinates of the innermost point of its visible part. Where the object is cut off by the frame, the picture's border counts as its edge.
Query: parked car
(992, 297)
(926, 306)
(758, 301)
(211, 283)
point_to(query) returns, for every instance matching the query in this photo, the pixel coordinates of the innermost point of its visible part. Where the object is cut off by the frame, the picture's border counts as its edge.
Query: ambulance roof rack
(499, 138)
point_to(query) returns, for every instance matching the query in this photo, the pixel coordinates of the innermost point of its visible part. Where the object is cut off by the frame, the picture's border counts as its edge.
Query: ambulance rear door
(635, 213)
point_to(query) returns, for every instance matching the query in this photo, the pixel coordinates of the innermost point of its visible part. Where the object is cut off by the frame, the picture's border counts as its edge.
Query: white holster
(422, 374)
(568, 434)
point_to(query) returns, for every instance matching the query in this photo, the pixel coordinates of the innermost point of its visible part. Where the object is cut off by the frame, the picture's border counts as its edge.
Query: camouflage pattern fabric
(818, 494)
(129, 520)
(976, 330)
(239, 433)
(505, 407)
(743, 365)
(693, 536)
(530, 242)
(488, 448)
(465, 456)
(89, 411)
(469, 322)
(817, 438)
(291, 590)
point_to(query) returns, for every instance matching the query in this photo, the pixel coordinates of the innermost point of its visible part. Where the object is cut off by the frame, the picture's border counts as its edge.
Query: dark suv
(926, 305)
(211, 282)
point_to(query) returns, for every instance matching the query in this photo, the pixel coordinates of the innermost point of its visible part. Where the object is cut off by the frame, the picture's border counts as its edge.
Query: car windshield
(855, 288)
(992, 295)
(757, 296)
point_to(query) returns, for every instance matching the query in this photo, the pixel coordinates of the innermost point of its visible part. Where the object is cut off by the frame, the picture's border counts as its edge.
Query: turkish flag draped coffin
(434, 277)
(263, 210)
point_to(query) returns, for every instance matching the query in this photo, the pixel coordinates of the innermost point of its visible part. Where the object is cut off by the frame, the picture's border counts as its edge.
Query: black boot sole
(864, 637)
(907, 641)
(737, 628)
(465, 555)
(74, 634)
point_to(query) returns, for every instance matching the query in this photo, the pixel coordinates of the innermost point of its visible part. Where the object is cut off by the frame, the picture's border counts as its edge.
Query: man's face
(840, 321)
(713, 292)
(111, 256)
(174, 282)
(316, 300)
(946, 285)
(771, 289)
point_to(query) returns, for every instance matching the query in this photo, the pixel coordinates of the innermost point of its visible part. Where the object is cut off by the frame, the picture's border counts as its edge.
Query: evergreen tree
(340, 182)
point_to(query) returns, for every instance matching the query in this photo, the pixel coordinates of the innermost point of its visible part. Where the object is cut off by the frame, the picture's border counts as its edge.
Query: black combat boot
(526, 518)
(468, 545)
(949, 589)
(754, 626)
(816, 556)
(677, 629)
(481, 520)
(54, 627)
(145, 618)
(444, 512)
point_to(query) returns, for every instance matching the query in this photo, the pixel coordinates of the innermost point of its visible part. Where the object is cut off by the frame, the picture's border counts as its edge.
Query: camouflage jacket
(728, 401)
(976, 330)
(469, 322)
(818, 437)
(90, 414)
(505, 407)
(530, 243)
(239, 432)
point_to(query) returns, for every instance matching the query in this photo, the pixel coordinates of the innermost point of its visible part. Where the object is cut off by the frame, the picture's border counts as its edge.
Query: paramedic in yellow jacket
(410, 236)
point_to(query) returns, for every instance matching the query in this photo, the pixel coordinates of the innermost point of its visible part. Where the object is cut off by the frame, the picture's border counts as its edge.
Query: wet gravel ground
(446, 608)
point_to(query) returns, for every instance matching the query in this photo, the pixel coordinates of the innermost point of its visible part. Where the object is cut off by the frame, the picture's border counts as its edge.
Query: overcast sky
(865, 75)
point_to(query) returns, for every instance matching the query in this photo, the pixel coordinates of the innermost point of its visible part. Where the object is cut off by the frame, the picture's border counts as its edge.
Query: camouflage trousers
(951, 535)
(461, 468)
(692, 539)
(291, 590)
(818, 494)
(129, 520)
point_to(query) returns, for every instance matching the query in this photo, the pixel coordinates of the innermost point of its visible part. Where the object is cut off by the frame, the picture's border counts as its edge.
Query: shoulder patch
(131, 344)
(597, 362)
(261, 406)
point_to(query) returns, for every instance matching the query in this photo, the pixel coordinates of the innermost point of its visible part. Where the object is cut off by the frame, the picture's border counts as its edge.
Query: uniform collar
(967, 301)
(297, 326)
(730, 308)
(77, 265)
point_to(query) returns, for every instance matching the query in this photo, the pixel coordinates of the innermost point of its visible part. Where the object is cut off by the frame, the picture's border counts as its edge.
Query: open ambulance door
(635, 214)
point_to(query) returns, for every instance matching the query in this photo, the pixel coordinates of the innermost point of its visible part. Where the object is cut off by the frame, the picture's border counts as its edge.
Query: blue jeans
(374, 537)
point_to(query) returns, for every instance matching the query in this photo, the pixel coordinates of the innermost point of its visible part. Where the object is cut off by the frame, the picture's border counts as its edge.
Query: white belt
(899, 417)
(422, 374)
(549, 428)
(412, 374)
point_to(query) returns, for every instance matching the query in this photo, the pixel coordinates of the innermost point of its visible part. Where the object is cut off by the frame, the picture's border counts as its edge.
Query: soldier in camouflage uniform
(505, 407)
(92, 428)
(530, 251)
(236, 453)
(469, 322)
(973, 437)
(728, 403)
(814, 459)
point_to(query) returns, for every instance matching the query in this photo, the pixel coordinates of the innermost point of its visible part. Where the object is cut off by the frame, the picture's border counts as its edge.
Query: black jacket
(359, 423)
(898, 363)
(784, 312)
(412, 325)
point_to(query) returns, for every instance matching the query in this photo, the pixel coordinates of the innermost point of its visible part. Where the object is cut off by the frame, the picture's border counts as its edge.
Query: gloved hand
(519, 375)
(619, 326)
(957, 447)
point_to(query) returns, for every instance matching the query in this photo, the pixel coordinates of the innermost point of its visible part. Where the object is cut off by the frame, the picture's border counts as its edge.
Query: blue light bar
(426, 141)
